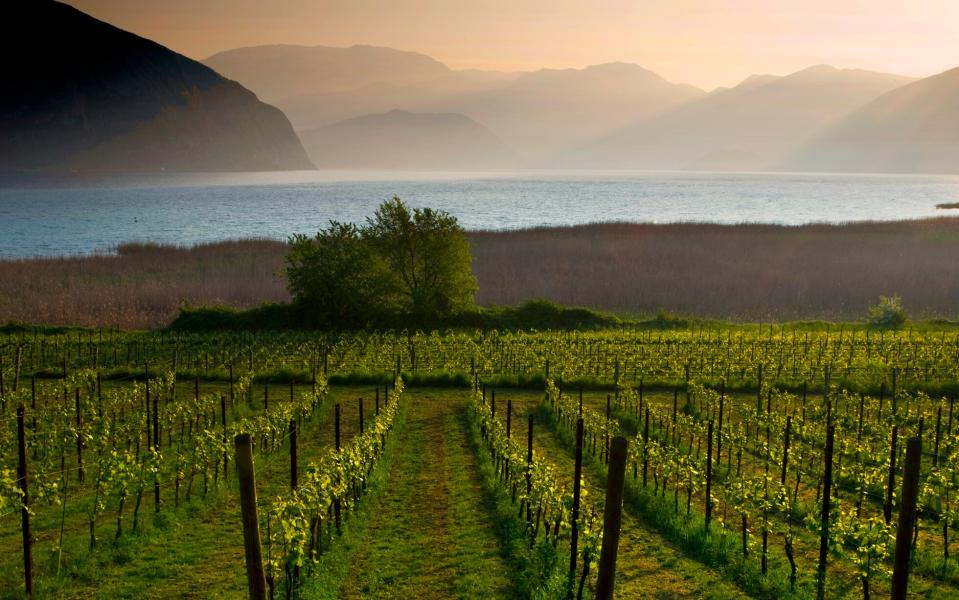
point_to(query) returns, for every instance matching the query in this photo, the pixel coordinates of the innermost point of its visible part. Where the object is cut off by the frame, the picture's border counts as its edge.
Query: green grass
(428, 535)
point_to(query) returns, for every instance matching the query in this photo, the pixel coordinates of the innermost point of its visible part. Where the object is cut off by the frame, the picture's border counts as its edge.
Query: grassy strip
(540, 568)
(330, 575)
(688, 532)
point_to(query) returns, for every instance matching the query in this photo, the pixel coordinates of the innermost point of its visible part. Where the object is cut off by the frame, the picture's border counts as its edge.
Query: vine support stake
(824, 516)
(907, 518)
(577, 476)
(612, 518)
(255, 577)
(25, 502)
(293, 468)
(709, 475)
(529, 469)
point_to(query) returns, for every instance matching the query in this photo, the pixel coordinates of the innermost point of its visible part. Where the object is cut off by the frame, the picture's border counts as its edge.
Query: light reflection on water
(77, 216)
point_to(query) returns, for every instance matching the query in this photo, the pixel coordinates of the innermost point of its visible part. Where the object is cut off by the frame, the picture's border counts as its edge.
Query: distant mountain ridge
(310, 70)
(541, 111)
(752, 126)
(82, 95)
(404, 140)
(533, 112)
(911, 129)
(614, 115)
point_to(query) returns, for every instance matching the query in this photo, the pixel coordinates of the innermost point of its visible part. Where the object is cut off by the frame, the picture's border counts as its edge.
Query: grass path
(431, 533)
(648, 565)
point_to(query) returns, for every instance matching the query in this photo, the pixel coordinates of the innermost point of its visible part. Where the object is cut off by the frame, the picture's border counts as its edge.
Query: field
(396, 466)
(739, 273)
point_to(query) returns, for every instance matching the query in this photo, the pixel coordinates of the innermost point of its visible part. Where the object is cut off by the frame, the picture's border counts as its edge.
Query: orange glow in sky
(703, 42)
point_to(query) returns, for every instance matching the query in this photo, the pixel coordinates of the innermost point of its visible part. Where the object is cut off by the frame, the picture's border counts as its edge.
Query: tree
(334, 277)
(889, 313)
(428, 260)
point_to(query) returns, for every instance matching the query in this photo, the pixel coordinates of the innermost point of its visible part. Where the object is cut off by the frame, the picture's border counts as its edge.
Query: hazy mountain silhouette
(752, 126)
(550, 108)
(279, 72)
(405, 140)
(80, 94)
(912, 129)
(531, 112)
(319, 85)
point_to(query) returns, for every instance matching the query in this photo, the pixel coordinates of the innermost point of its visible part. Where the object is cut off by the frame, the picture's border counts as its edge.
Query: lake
(43, 217)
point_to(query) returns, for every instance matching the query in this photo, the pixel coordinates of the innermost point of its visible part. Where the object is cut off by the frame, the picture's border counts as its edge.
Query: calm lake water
(55, 217)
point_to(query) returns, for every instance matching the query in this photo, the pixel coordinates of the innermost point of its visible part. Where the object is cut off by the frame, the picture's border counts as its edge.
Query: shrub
(888, 314)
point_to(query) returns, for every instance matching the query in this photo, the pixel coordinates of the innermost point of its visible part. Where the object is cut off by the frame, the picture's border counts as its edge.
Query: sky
(707, 43)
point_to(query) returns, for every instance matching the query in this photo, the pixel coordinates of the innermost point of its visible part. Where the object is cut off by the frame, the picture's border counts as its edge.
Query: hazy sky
(703, 42)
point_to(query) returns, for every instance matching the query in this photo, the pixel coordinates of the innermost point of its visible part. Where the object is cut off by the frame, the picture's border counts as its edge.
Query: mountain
(531, 112)
(280, 72)
(80, 94)
(540, 111)
(752, 126)
(319, 85)
(404, 140)
(316, 110)
(912, 129)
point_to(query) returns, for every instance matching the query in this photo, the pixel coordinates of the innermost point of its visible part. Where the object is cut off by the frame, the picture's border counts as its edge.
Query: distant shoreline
(730, 272)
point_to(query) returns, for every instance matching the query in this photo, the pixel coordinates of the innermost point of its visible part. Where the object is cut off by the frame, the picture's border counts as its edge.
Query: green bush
(888, 314)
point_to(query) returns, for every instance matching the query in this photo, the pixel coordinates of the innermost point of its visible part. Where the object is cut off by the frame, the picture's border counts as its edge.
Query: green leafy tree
(428, 259)
(335, 277)
(889, 313)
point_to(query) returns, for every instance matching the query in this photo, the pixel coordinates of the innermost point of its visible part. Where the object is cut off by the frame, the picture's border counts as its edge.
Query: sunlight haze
(706, 43)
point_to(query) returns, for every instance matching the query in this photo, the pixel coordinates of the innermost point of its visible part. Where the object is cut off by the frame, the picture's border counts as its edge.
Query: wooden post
(337, 506)
(149, 420)
(80, 437)
(907, 518)
(529, 468)
(256, 581)
(646, 447)
(509, 416)
(891, 484)
(361, 416)
(709, 475)
(719, 432)
(293, 454)
(156, 447)
(789, 421)
(612, 518)
(606, 441)
(935, 452)
(25, 502)
(675, 403)
(336, 426)
(824, 516)
(377, 401)
(577, 476)
(226, 460)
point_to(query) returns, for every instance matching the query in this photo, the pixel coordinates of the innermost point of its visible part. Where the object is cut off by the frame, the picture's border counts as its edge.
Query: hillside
(533, 112)
(83, 95)
(913, 129)
(546, 109)
(752, 126)
(405, 140)
(317, 86)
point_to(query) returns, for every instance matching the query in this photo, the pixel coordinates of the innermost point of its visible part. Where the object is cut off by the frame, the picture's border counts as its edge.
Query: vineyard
(753, 462)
